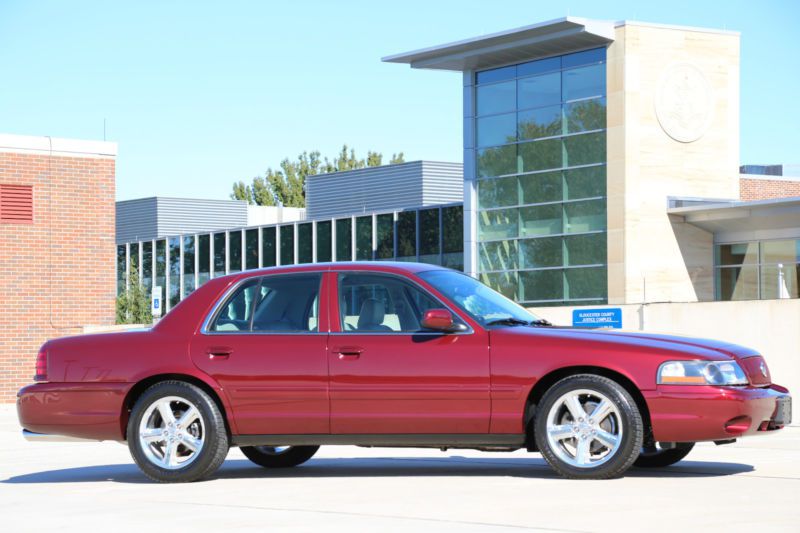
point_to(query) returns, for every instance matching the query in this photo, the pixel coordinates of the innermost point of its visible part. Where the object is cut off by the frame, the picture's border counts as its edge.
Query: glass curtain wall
(174, 294)
(541, 168)
(433, 235)
(756, 270)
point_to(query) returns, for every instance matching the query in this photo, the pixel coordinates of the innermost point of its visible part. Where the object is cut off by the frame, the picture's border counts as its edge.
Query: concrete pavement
(754, 483)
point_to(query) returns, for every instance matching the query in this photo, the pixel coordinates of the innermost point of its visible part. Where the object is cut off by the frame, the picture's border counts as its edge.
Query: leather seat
(371, 316)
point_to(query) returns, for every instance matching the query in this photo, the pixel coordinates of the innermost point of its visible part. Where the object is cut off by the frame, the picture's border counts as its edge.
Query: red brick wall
(765, 189)
(58, 273)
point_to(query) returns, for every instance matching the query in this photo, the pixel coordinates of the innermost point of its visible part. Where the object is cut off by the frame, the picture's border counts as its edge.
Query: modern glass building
(179, 264)
(540, 159)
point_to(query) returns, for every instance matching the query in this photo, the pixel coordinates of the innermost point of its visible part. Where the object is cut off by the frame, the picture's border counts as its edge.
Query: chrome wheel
(584, 428)
(172, 432)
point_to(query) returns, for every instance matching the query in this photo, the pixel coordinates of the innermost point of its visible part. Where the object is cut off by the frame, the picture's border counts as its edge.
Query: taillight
(41, 365)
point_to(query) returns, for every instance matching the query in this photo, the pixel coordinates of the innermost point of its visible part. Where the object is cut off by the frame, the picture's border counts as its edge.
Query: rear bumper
(692, 414)
(85, 411)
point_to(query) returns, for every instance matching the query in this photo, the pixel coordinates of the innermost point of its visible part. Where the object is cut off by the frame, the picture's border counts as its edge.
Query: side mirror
(441, 320)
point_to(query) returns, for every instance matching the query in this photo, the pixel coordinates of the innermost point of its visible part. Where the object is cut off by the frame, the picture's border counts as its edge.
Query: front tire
(663, 457)
(279, 456)
(176, 433)
(588, 427)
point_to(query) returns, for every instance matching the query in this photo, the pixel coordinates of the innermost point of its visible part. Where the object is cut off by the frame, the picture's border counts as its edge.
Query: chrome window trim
(229, 292)
(413, 282)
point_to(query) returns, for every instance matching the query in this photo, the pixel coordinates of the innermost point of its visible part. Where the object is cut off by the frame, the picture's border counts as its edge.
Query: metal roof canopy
(758, 218)
(544, 39)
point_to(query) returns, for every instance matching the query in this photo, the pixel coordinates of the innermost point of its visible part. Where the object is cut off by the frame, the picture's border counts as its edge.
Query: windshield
(476, 299)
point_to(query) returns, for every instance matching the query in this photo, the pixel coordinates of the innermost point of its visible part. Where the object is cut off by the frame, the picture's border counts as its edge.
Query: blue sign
(156, 303)
(597, 318)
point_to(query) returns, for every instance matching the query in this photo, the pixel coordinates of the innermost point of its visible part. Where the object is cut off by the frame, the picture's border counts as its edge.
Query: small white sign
(156, 302)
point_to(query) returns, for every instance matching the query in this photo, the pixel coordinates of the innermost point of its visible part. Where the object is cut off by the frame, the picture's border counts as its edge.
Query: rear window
(284, 303)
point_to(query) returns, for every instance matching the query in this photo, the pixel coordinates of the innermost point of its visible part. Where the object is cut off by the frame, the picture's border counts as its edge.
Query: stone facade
(673, 130)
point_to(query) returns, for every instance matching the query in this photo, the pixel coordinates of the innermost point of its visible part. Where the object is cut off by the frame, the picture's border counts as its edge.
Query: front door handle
(219, 352)
(348, 352)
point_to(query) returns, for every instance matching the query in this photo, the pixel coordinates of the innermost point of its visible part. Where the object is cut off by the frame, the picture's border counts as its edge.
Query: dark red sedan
(280, 361)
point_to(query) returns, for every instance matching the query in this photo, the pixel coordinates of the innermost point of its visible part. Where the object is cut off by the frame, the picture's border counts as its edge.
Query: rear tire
(661, 458)
(176, 433)
(277, 457)
(588, 427)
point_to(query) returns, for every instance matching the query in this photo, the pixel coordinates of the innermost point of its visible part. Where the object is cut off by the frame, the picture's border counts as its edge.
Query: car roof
(367, 266)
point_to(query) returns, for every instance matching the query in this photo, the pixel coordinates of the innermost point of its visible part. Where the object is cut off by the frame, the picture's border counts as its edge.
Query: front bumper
(694, 413)
(85, 411)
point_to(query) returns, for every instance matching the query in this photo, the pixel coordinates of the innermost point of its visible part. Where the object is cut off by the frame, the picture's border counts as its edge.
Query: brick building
(56, 246)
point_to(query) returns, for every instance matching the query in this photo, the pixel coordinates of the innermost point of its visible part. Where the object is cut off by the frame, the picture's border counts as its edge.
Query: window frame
(335, 315)
(231, 291)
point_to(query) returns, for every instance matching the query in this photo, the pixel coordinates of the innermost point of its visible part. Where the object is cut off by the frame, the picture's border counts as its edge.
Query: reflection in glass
(174, 271)
(585, 216)
(251, 249)
(503, 282)
(407, 235)
(541, 220)
(287, 245)
(541, 285)
(161, 266)
(585, 249)
(584, 82)
(780, 251)
(234, 251)
(585, 115)
(737, 283)
(344, 242)
(147, 267)
(586, 283)
(541, 122)
(587, 182)
(268, 247)
(497, 192)
(219, 254)
(121, 268)
(305, 253)
(324, 241)
(585, 149)
(497, 161)
(429, 248)
(780, 281)
(497, 129)
(541, 187)
(543, 252)
(453, 229)
(538, 91)
(496, 98)
(540, 155)
(203, 258)
(188, 264)
(364, 238)
(498, 255)
(498, 224)
(385, 236)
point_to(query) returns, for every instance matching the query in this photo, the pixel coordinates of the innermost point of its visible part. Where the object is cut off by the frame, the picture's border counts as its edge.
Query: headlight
(701, 373)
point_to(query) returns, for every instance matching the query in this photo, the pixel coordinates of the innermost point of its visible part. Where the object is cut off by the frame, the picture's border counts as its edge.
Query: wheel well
(138, 389)
(548, 380)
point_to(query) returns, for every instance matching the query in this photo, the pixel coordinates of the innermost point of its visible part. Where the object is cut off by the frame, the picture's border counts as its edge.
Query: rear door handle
(219, 352)
(348, 352)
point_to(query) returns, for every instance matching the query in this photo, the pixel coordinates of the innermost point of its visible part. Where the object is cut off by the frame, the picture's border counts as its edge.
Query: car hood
(690, 346)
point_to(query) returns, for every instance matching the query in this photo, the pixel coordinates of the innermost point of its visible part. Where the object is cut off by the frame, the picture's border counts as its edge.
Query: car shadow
(454, 466)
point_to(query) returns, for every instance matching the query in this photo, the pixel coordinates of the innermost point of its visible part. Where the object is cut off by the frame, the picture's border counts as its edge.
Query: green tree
(286, 186)
(133, 305)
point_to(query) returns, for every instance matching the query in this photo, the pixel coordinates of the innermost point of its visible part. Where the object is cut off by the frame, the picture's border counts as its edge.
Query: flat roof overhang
(554, 37)
(759, 219)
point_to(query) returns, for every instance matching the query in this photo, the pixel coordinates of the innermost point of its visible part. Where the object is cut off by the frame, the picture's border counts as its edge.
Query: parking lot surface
(753, 484)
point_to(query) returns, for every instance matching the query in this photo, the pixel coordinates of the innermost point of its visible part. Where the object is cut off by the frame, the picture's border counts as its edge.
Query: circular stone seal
(684, 102)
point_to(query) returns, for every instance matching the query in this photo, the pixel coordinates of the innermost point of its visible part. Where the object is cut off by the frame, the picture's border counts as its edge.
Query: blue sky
(200, 94)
